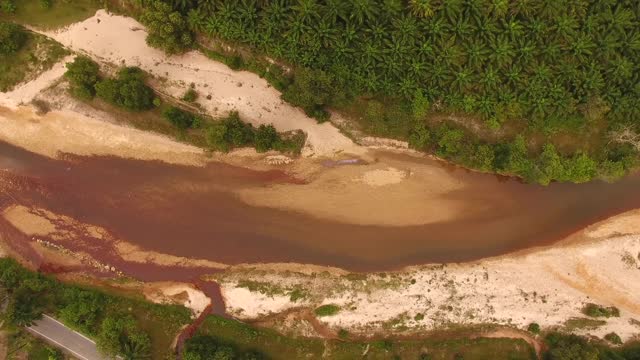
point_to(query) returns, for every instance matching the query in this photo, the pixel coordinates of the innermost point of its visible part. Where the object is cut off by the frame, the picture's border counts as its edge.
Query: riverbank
(549, 286)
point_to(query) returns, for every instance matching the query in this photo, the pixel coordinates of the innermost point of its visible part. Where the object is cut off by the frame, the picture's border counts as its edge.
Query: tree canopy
(12, 38)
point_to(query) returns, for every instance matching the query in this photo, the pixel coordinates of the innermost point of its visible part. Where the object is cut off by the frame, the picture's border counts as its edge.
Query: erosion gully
(191, 212)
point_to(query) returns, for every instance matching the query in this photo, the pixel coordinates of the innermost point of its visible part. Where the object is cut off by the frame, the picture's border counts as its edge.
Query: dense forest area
(543, 67)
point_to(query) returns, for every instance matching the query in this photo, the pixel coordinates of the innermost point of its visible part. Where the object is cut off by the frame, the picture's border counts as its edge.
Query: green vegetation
(563, 75)
(270, 344)
(12, 38)
(131, 327)
(83, 75)
(570, 347)
(613, 338)
(167, 29)
(582, 323)
(534, 328)
(23, 55)
(48, 13)
(22, 345)
(595, 310)
(326, 310)
(128, 90)
(190, 96)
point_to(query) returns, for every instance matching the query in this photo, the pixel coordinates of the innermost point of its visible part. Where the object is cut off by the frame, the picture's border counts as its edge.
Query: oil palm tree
(363, 10)
(422, 8)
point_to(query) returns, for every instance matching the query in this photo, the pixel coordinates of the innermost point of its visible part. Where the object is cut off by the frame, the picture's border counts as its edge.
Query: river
(189, 211)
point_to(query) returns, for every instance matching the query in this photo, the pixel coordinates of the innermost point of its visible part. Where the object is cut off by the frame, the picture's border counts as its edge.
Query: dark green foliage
(265, 138)
(204, 347)
(534, 328)
(7, 7)
(613, 338)
(168, 30)
(179, 118)
(120, 335)
(83, 309)
(595, 310)
(12, 38)
(312, 90)
(569, 347)
(327, 310)
(107, 317)
(127, 90)
(190, 96)
(570, 66)
(83, 75)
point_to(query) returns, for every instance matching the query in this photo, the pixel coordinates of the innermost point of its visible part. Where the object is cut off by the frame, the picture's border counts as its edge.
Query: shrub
(327, 310)
(12, 38)
(128, 90)
(7, 6)
(418, 317)
(265, 138)
(613, 338)
(168, 30)
(179, 118)
(311, 90)
(83, 74)
(190, 96)
(534, 328)
(595, 310)
(121, 335)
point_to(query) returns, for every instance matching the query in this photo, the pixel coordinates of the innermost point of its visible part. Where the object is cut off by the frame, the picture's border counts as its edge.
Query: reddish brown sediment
(191, 212)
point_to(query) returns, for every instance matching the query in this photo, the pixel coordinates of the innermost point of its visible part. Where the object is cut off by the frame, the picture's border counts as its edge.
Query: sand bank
(548, 286)
(101, 38)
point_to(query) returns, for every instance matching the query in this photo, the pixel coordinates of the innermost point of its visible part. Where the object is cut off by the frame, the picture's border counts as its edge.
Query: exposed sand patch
(70, 132)
(30, 224)
(548, 286)
(101, 38)
(25, 92)
(177, 293)
(382, 177)
(628, 223)
(377, 194)
(133, 253)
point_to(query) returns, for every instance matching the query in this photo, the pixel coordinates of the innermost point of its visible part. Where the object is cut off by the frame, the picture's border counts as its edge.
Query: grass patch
(276, 346)
(38, 54)
(595, 310)
(583, 323)
(327, 310)
(61, 12)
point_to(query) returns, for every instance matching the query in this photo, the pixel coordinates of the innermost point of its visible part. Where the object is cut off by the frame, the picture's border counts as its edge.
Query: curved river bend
(189, 211)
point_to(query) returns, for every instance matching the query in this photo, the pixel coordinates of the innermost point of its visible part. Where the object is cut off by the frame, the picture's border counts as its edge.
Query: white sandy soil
(547, 286)
(101, 38)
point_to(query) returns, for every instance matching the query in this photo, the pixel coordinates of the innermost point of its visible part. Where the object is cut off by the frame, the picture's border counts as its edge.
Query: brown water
(188, 211)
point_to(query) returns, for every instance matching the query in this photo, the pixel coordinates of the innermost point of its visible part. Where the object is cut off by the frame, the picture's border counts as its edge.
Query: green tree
(128, 90)
(12, 38)
(120, 335)
(83, 74)
(265, 138)
(168, 30)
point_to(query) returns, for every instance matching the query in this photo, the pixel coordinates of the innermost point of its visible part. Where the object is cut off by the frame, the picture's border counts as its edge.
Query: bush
(83, 74)
(265, 138)
(534, 328)
(128, 90)
(327, 310)
(7, 7)
(190, 96)
(311, 90)
(120, 335)
(595, 310)
(613, 338)
(179, 118)
(12, 38)
(168, 30)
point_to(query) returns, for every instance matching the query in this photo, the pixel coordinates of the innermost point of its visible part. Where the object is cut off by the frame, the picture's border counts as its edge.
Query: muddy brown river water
(188, 211)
